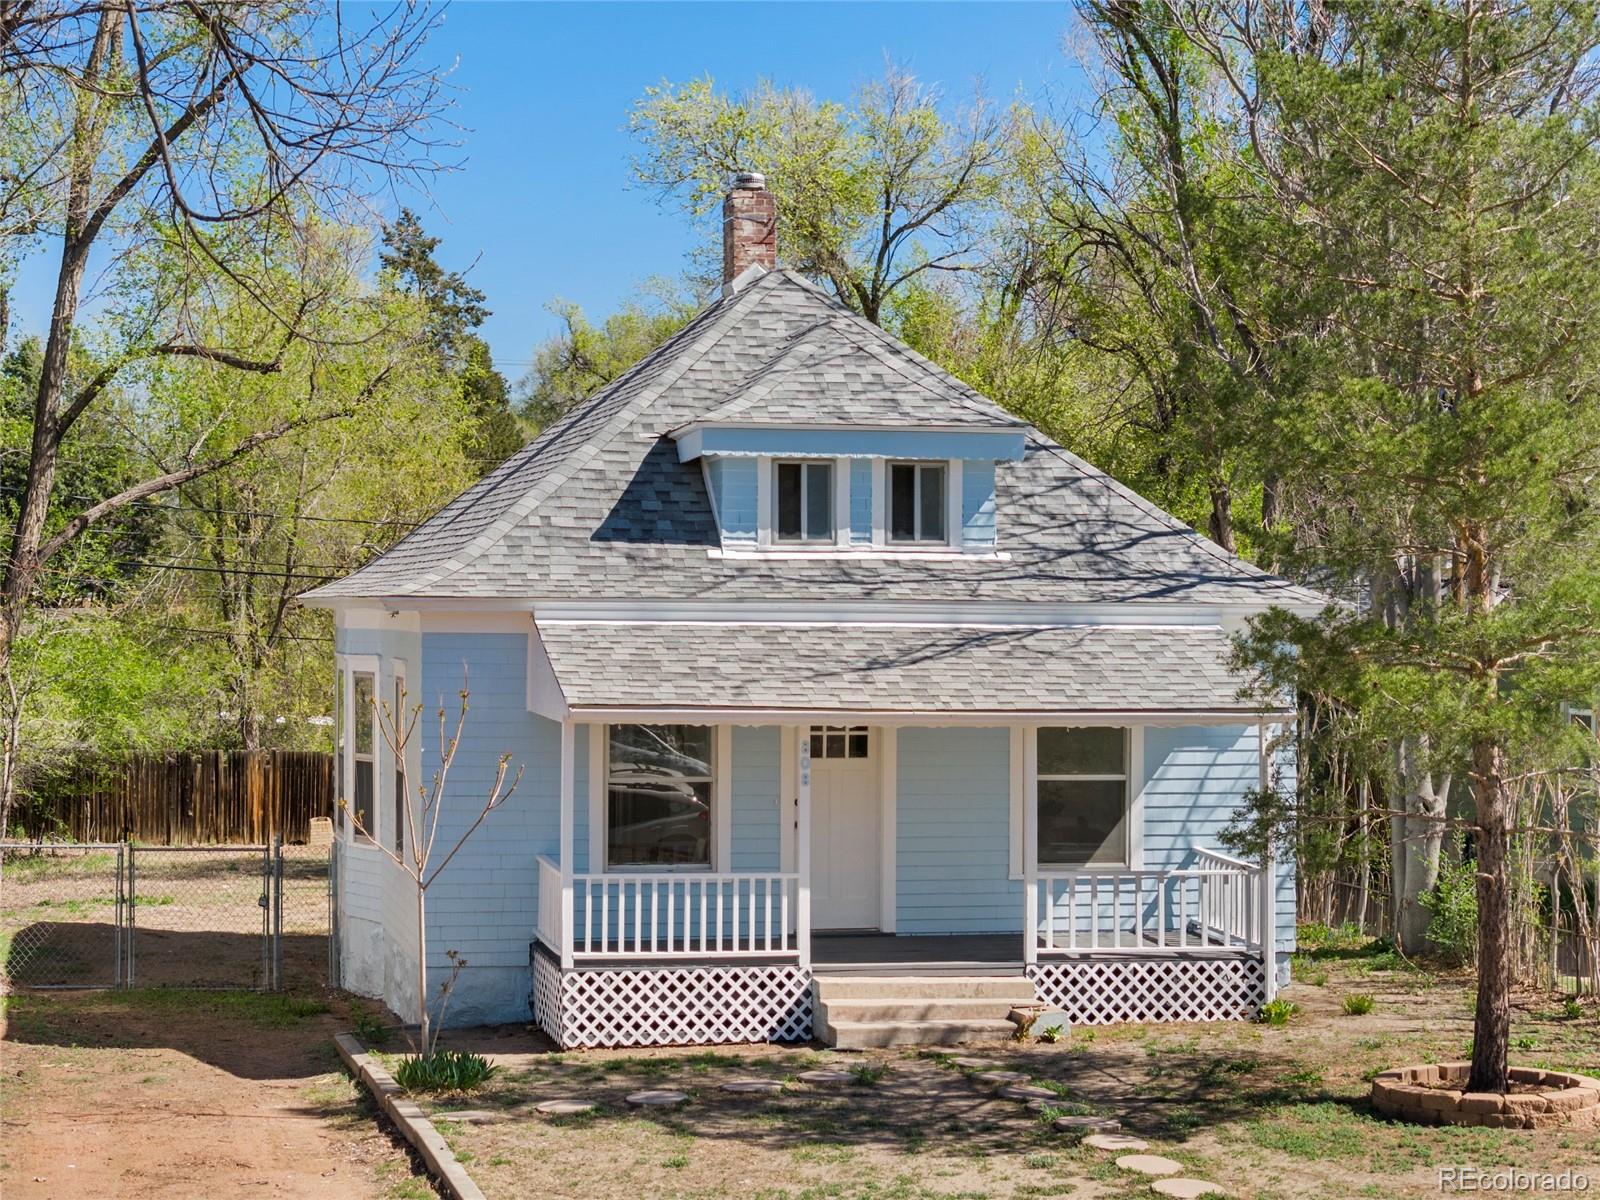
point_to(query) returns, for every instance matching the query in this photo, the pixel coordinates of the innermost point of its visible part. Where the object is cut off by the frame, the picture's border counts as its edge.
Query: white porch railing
(1217, 903)
(666, 915)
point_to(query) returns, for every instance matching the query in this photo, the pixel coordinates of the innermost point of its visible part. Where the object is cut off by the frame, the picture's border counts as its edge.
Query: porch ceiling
(819, 668)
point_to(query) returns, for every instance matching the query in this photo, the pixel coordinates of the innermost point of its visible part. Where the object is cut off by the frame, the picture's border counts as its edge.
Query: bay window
(1082, 797)
(659, 788)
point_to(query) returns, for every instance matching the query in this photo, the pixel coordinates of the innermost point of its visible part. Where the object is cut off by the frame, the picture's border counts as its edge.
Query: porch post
(568, 760)
(1030, 848)
(1269, 874)
(802, 851)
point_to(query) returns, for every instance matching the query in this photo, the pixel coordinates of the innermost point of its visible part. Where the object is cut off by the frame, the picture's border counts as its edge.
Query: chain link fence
(62, 915)
(118, 915)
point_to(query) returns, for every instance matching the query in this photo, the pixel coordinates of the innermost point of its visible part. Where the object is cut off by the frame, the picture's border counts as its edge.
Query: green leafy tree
(454, 309)
(1441, 166)
(585, 356)
(873, 194)
(196, 133)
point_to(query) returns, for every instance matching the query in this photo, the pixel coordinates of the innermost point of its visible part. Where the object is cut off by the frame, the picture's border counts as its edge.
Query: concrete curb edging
(409, 1118)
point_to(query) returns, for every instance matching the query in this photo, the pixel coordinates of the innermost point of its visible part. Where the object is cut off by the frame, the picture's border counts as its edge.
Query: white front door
(845, 828)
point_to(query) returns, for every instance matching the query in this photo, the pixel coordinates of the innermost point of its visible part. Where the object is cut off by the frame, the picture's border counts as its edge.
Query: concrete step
(1005, 990)
(919, 1007)
(865, 1035)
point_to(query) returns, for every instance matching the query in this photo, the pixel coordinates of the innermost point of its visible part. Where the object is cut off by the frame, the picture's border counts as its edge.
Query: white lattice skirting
(671, 1006)
(1106, 991)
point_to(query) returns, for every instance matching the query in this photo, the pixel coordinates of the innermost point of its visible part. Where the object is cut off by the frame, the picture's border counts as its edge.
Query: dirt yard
(1264, 1111)
(144, 1094)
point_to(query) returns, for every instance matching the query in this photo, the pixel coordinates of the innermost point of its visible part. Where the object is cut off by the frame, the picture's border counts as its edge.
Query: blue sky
(542, 202)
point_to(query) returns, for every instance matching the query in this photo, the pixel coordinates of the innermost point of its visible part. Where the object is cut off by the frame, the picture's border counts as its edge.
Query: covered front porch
(641, 954)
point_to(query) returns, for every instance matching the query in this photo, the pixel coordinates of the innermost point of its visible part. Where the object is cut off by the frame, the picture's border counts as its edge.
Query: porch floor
(908, 954)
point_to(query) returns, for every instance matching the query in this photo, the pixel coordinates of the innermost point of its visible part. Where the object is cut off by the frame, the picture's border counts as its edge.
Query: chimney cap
(750, 181)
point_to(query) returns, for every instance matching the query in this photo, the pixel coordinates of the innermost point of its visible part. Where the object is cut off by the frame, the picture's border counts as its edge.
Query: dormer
(842, 443)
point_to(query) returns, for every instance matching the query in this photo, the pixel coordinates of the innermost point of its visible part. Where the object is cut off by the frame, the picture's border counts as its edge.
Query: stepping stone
(1115, 1141)
(1027, 1091)
(564, 1108)
(753, 1085)
(1186, 1189)
(999, 1078)
(468, 1116)
(976, 1064)
(1088, 1125)
(824, 1077)
(656, 1098)
(1149, 1164)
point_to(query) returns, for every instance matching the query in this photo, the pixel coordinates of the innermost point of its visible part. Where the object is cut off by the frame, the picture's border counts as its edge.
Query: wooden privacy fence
(189, 798)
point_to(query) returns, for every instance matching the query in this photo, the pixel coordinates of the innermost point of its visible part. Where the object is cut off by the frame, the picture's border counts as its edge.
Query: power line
(164, 506)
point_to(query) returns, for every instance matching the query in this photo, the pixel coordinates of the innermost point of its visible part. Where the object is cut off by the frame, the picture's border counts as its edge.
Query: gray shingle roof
(599, 505)
(1079, 669)
(830, 374)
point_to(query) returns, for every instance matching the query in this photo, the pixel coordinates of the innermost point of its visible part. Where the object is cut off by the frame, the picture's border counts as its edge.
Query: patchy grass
(1265, 1111)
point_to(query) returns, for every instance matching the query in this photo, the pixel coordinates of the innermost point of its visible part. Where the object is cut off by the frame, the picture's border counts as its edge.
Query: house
(848, 704)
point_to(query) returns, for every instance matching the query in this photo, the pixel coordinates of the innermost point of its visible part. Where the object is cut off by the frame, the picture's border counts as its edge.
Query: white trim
(880, 504)
(1121, 718)
(841, 503)
(711, 493)
(889, 800)
(898, 551)
(764, 503)
(544, 692)
(599, 746)
(385, 619)
(1136, 782)
(948, 612)
(803, 852)
(566, 804)
(955, 534)
(722, 798)
(1030, 847)
(399, 670)
(874, 612)
(353, 665)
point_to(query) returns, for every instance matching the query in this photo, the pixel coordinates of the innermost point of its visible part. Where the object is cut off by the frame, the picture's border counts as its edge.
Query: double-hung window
(917, 502)
(659, 788)
(1083, 797)
(340, 739)
(803, 500)
(364, 746)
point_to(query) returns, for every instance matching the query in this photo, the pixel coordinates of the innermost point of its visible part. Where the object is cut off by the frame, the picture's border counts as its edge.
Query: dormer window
(803, 502)
(917, 502)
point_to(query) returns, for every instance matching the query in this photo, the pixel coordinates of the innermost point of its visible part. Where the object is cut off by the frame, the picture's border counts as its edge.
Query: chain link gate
(125, 915)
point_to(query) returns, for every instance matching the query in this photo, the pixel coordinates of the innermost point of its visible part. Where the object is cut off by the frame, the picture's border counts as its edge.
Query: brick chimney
(749, 226)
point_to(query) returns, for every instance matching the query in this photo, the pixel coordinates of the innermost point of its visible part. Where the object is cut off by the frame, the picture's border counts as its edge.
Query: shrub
(1277, 1012)
(1357, 1004)
(443, 1071)
(1453, 931)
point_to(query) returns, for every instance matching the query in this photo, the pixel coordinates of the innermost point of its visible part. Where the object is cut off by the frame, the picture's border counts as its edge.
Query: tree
(873, 195)
(585, 357)
(193, 133)
(454, 309)
(1441, 165)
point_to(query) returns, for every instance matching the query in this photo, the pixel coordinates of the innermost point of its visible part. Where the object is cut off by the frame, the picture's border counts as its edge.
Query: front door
(845, 828)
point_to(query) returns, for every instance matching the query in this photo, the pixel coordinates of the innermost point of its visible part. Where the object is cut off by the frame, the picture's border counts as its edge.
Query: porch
(885, 856)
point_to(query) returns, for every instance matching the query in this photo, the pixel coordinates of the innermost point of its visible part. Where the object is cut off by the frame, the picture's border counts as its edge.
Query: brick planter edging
(1412, 1094)
(410, 1119)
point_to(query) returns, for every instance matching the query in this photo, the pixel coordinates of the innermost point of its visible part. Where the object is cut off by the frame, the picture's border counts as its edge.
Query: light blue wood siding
(733, 487)
(861, 501)
(484, 904)
(1196, 778)
(952, 836)
(754, 794)
(977, 503)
